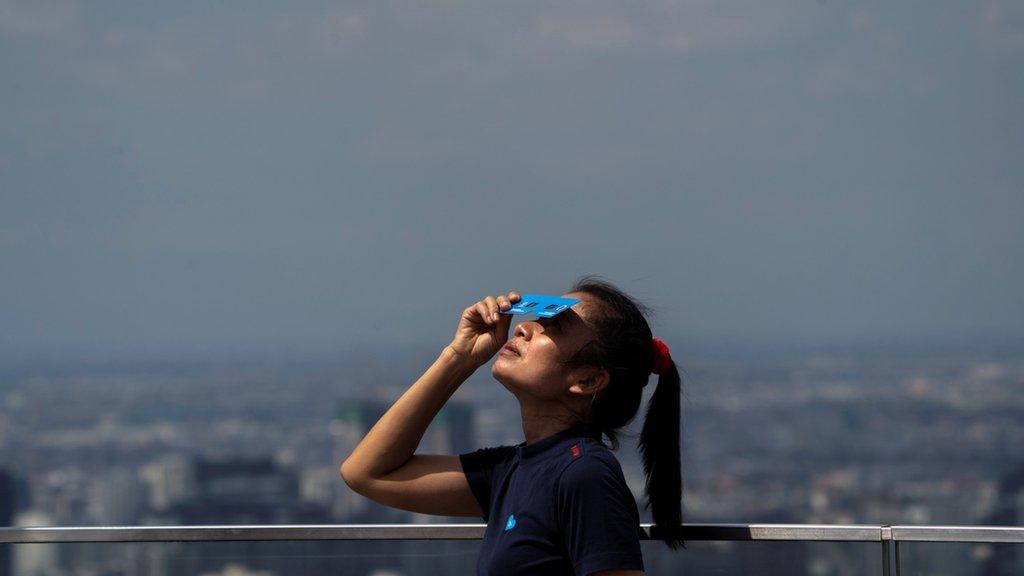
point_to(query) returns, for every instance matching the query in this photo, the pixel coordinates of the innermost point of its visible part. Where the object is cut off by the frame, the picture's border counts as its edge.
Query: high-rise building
(40, 559)
(241, 491)
(1006, 559)
(451, 432)
(170, 479)
(453, 428)
(350, 425)
(116, 498)
(245, 491)
(7, 485)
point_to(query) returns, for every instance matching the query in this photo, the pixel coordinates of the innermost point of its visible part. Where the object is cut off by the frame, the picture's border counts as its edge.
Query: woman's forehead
(583, 297)
(580, 310)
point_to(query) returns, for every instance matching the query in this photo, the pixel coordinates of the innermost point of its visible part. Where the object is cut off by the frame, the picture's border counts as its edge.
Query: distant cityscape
(821, 439)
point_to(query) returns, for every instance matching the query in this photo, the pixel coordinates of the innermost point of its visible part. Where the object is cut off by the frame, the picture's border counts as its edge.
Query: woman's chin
(504, 373)
(501, 365)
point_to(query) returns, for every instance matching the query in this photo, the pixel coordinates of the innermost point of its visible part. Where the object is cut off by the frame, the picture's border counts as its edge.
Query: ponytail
(660, 452)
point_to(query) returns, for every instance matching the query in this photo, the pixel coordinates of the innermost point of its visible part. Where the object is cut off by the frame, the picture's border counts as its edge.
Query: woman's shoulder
(592, 460)
(595, 478)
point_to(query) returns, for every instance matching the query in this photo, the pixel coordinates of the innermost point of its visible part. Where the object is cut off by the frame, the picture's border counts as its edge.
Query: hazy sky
(185, 178)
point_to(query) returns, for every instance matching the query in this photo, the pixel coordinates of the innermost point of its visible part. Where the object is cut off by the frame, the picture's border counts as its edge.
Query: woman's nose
(525, 329)
(520, 331)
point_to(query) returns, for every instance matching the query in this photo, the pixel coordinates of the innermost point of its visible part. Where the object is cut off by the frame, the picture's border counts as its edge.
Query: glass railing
(435, 549)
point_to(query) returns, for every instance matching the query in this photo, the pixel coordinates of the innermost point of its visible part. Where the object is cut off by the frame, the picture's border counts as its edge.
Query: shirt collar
(527, 451)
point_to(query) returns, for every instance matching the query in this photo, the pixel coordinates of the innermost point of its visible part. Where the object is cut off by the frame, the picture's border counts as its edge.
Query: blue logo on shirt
(511, 522)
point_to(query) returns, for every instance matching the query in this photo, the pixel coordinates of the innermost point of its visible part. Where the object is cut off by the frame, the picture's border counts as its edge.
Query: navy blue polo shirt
(558, 506)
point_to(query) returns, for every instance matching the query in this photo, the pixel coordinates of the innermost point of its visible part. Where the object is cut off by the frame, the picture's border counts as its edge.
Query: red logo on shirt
(575, 450)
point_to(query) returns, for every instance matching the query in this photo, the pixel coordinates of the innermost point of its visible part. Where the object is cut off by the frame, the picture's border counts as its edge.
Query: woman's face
(542, 345)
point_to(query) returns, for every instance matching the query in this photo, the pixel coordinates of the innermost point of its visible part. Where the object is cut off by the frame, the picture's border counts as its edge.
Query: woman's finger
(492, 309)
(514, 296)
(483, 312)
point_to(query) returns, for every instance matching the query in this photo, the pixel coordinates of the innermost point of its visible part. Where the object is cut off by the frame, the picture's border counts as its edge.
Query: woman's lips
(509, 349)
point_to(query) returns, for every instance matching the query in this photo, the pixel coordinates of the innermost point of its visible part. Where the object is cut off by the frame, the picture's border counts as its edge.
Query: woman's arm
(394, 438)
(390, 444)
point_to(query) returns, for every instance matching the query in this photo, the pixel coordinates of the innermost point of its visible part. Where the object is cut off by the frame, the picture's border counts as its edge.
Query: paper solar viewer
(542, 305)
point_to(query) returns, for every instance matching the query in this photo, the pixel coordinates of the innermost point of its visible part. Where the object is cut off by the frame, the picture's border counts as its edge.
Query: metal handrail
(1007, 534)
(712, 532)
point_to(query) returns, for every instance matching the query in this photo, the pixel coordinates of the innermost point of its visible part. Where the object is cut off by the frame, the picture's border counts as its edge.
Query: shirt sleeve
(598, 517)
(479, 468)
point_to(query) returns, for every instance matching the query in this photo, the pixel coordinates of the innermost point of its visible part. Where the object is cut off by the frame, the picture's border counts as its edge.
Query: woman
(556, 503)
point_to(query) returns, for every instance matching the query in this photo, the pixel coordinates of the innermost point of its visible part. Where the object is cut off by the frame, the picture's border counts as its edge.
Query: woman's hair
(623, 346)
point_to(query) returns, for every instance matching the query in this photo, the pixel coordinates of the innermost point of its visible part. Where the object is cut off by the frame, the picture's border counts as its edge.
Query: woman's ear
(590, 380)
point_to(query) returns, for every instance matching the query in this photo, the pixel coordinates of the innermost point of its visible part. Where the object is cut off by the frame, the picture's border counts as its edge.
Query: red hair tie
(662, 360)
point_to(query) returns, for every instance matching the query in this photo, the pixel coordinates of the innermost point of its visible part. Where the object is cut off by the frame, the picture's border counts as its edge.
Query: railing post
(896, 554)
(886, 537)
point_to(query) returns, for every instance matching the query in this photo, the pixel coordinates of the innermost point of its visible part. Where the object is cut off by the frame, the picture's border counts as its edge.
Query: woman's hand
(482, 330)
